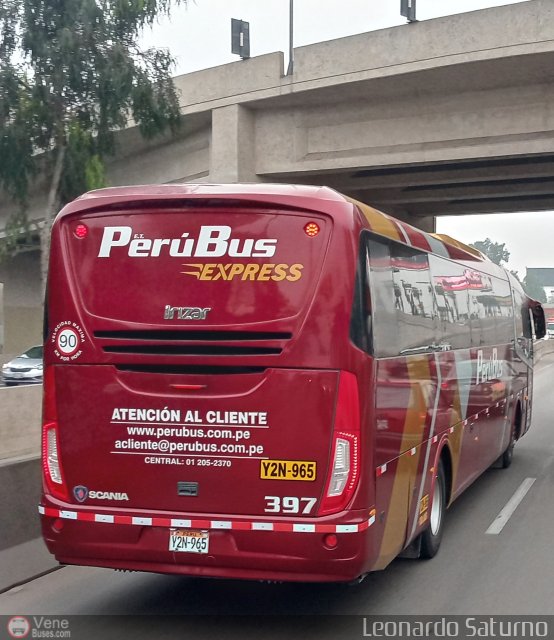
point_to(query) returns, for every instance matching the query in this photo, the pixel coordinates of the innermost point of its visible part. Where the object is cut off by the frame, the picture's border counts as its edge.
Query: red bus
(269, 382)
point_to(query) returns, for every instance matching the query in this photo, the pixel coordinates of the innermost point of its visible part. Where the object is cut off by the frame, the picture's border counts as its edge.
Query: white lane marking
(502, 518)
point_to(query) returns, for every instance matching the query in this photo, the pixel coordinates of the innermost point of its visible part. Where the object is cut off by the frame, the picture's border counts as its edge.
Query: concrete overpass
(448, 116)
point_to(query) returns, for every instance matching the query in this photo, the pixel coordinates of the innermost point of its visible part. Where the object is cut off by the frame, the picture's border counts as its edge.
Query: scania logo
(108, 495)
(80, 493)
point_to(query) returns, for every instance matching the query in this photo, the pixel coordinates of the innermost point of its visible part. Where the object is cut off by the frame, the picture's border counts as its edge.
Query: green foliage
(83, 166)
(16, 144)
(71, 75)
(95, 173)
(494, 250)
(21, 234)
(533, 287)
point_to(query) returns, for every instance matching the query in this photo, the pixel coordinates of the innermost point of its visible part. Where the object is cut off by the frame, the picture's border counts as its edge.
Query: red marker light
(311, 229)
(57, 525)
(330, 541)
(188, 387)
(81, 231)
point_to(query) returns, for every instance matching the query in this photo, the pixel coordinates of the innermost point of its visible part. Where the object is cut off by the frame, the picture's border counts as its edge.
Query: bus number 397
(289, 504)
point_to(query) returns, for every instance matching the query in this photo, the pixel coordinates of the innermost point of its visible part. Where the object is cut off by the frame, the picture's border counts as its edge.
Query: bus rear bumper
(278, 555)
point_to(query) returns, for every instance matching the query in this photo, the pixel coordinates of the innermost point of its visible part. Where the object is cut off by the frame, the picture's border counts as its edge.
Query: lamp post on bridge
(408, 9)
(291, 38)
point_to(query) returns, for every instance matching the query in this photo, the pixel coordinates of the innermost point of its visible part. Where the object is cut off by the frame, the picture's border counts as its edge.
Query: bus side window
(539, 321)
(522, 323)
(504, 319)
(451, 283)
(402, 299)
(361, 318)
(414, 310)
(527, 322)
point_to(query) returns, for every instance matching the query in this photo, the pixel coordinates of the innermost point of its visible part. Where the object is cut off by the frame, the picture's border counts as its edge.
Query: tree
(533, 287)
(71, 75)
(494, 250)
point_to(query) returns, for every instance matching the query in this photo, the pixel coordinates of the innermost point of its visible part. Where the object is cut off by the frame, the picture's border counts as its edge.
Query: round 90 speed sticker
(67, 339)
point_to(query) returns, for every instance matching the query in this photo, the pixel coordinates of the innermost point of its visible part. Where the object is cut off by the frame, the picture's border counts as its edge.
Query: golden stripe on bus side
(455, 439)
(379, 222)
(406, 471)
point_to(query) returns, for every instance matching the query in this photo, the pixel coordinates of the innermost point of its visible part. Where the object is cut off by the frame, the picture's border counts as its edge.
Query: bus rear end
(200, 416)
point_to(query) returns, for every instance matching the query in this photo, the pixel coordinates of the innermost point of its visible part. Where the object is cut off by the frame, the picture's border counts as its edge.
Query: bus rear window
(219, 266)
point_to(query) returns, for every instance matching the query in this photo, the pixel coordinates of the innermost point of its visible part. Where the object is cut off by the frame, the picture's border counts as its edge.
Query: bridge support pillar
(21, 317)
(233, 153)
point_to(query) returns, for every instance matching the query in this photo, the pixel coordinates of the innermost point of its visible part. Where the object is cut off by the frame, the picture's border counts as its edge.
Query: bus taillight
(81, 231)
(51, 459)
(345, 463)
(51, 464)
(311, 229)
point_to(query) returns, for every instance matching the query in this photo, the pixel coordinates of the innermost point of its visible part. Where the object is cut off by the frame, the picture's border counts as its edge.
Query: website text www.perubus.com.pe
(186, 432)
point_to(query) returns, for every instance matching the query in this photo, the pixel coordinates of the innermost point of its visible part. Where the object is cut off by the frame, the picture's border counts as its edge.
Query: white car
(25, 368)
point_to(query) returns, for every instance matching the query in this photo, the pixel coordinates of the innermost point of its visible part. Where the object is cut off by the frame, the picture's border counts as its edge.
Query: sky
(528, 236)
(198, 35)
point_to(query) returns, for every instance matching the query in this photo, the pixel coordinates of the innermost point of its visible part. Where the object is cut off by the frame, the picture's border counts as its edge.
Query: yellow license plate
(287, 470)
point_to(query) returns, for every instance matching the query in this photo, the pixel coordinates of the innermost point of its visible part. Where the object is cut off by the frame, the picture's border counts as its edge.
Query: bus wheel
(431, 537)
(508, 455)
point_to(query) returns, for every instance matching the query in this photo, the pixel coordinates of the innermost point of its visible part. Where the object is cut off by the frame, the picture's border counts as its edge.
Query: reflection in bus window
(451, 284)
(404, 305)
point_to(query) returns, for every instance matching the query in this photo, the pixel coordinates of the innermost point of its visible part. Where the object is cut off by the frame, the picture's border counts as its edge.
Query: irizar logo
(212, 242)
(490, 369)
(186, 313)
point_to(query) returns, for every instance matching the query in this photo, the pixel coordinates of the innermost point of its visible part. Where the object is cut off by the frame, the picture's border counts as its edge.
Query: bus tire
(432, 536)
(505, 459)
(508, 455)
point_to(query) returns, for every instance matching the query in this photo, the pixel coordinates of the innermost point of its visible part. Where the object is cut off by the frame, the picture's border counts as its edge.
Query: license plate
(17, 375)
(287, 470)
(188, 541)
